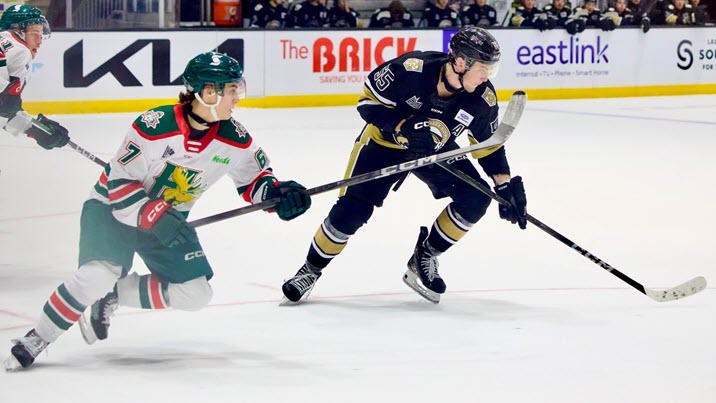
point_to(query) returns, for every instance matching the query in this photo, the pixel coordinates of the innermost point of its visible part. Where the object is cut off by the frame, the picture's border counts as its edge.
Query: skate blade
(411, 280)
(86, 329)
(287, 302)
(12, 364)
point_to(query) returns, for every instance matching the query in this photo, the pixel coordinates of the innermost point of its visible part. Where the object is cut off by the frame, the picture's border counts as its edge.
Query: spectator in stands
(524, 14)
(438, 14)
(479, 14)
(617, 16)
(269, 14)
(394, 16)
(342, 16)
(680, 13)
(702, 16)
(309, 14)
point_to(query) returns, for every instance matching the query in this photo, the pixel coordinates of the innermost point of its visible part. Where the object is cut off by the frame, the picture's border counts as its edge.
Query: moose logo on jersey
(151, 118)
(177, 185)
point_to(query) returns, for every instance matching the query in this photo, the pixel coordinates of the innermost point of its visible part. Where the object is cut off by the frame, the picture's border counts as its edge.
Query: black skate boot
(423, 265)
(94, 324)
(300, 285)
(25, 350)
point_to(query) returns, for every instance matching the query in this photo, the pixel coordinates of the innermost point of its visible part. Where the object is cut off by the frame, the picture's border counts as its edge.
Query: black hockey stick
(503, 132)
(25, 116)
(684, 290)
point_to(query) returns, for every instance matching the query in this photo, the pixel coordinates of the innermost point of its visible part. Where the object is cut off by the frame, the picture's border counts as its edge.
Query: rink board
(131, 71)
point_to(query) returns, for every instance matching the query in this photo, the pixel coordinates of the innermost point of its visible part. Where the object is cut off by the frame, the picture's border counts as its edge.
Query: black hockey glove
(10, 100)
(645, 24)
(575, 26)
(166, 223)
(415, 136)
(541, 24)
(294, 199)
(58, 136)
(607, 24)
(514, 192)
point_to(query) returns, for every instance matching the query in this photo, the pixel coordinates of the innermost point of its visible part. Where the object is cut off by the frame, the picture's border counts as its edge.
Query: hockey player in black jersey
(585, 16)
(553, 15)
(393, 16)
(309, 14)
(269, 14)
(439, 14)
(417, 105)
(524, 14)
(479, 14)
(617, 16)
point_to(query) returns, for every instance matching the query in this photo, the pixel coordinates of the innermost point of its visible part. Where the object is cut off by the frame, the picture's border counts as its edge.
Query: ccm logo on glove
(152, 211)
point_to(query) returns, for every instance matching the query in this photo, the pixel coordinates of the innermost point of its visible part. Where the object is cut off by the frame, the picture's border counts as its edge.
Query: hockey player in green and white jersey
(171, 155)
(23, 30)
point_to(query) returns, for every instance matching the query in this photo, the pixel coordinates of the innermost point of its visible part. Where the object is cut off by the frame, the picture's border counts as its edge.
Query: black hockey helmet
(474, 44)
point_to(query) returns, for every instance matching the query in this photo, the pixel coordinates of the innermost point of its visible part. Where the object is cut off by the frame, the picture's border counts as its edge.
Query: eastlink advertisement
(555, 59)
(335, 62)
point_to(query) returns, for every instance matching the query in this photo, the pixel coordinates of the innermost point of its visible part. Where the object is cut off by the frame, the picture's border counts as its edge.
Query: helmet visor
(487, 70)
(239, 90)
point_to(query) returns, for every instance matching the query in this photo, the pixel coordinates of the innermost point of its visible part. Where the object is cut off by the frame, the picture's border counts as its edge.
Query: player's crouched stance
(169, 157)
(416, 105)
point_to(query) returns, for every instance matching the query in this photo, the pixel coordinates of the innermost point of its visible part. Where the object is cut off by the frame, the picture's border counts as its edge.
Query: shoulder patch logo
(151, 118)
(489, 97)
(413, 64)
(240, 129)
(464, 117)
(414, 102)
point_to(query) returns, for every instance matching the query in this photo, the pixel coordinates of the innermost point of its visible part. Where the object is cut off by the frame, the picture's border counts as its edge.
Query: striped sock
(152, 292)
(447, 229)
(146, 292)
(62, 309)
(327, 243)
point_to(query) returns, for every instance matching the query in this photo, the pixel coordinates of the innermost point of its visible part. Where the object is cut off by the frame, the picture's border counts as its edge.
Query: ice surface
(524, 318)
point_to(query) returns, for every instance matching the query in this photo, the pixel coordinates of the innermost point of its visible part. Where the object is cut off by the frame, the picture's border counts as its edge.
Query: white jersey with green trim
(158, 159)
(15, 59)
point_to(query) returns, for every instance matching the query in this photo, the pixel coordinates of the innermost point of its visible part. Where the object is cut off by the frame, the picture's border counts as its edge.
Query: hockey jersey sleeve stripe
(371, 93)
(123, 191)
(136, 198)
(101, 190)
(117, 183)
(249, 191)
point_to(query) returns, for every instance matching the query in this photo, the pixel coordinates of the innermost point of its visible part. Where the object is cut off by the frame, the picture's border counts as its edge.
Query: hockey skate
(422, 274)
(299, 286)
(94, 323)
(25, 350)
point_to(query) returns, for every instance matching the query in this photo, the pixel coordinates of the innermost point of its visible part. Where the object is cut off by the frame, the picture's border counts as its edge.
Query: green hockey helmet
(215, 69)
(18, 17)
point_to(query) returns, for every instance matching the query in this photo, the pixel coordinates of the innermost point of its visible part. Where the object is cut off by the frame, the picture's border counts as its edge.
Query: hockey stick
(29, 119)
(503, 132)
(684, 290)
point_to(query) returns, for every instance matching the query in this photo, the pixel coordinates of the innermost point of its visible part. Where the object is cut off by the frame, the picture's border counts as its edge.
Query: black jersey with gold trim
(407, 85)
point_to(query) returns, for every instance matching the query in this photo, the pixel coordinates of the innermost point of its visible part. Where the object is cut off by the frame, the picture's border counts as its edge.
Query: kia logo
(683, 51)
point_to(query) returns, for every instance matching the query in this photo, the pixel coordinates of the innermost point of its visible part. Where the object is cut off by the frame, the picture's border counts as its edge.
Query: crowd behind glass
(449, 13)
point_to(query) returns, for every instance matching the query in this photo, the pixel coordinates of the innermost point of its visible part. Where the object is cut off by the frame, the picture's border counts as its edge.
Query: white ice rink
(524, 318)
